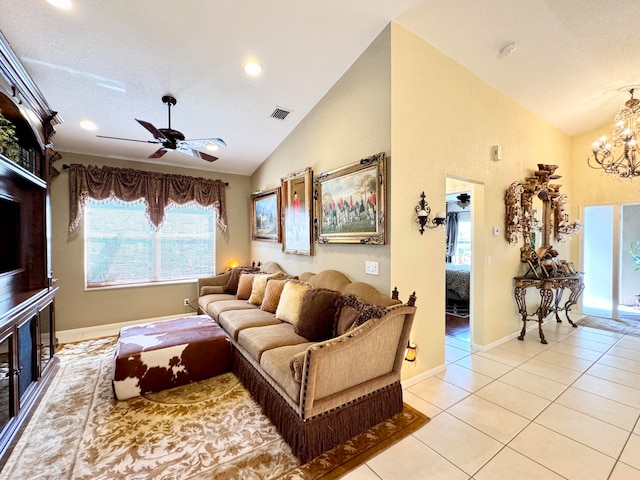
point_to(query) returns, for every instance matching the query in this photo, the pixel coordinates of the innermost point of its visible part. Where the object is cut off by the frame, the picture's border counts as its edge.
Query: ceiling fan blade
(128, 139)
(157, 134)
(197, 154)
(203, 142)
(158, 153)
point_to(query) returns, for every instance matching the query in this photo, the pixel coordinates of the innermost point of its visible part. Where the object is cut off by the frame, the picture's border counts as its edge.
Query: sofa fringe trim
(312, 437)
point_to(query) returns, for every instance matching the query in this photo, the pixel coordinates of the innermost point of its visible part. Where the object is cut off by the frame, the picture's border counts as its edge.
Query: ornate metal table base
(551, 291)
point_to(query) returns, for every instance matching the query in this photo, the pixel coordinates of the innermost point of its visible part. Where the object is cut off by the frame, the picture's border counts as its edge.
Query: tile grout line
(552, 402)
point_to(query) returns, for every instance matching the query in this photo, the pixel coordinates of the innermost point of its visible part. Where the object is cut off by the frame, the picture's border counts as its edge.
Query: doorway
(611, 261)
(458, 259)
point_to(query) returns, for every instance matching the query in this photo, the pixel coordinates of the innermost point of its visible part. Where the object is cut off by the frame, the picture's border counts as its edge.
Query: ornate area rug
(624, 326)
(207, 430)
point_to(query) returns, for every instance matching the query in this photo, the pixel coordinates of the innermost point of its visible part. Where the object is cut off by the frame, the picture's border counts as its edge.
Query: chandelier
(624, 134)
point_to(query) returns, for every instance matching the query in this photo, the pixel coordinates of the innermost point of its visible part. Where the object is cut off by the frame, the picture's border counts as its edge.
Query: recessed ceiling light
(62, 4)
(88, 125)
(252, 68)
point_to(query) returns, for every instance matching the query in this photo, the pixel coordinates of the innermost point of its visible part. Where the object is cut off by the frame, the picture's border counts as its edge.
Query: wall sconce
(411, 353)
(423, 210)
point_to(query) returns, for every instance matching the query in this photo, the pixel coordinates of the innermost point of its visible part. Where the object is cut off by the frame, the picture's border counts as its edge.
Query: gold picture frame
(350, 203)
(297, 201)
(266, 216)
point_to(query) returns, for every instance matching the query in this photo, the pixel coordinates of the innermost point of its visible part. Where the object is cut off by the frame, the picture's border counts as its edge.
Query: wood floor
(457, 327)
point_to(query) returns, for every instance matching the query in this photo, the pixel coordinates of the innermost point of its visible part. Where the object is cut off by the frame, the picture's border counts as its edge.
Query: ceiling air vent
(280, 113)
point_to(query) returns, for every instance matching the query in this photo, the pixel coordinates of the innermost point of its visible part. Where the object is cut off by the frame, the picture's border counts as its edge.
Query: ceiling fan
(464, 200)
(171, 139)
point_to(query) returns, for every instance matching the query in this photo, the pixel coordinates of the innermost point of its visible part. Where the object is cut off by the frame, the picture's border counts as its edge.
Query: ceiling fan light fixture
(212, 147)
(252, 68)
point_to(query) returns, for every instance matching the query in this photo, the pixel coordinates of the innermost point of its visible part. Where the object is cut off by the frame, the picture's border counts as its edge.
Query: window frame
(155, 238)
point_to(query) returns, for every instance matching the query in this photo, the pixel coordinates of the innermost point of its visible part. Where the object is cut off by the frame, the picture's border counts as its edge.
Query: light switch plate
(371, 268)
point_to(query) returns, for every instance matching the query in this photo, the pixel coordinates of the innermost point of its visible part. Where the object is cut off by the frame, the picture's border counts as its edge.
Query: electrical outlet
(185, 302)
(371, 268)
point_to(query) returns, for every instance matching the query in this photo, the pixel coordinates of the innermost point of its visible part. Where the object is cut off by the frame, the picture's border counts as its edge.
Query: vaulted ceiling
(112, 61)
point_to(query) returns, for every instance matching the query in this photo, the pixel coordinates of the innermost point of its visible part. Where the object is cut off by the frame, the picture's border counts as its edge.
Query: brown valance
(158, 190)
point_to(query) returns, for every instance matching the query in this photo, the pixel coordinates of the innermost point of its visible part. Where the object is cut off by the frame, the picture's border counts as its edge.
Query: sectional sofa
(321, 354)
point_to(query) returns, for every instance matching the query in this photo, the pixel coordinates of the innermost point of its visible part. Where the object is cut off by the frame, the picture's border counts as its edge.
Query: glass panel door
(6, 381)
(26, 356)
(598, 261)
(46, 340)
(629, 297)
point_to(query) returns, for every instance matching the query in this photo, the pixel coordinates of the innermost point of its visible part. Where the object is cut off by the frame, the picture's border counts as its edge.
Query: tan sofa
(317, 393)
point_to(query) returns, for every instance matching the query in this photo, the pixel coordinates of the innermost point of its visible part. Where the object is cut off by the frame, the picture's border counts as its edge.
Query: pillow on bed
(290, 301)
(318, 314)
(244, 286)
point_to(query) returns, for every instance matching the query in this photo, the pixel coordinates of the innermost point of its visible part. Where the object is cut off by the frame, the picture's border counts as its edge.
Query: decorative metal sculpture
(521, 222)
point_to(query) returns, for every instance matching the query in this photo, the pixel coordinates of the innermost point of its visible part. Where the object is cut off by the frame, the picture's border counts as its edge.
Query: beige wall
(352, 121)
(78, 308)
(444, 122)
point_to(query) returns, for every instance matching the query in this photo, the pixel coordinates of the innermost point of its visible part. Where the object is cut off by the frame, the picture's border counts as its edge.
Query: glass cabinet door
(45, 346)
(26, 356)
(6, 381)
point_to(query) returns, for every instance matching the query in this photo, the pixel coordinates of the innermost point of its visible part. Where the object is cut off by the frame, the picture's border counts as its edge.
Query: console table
(551, 291)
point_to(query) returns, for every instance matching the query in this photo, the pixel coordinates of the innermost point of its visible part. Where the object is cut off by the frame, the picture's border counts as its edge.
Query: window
(463, 246)
(123, 248)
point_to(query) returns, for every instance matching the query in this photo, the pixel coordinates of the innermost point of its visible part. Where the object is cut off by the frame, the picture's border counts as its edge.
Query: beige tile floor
(523, 410)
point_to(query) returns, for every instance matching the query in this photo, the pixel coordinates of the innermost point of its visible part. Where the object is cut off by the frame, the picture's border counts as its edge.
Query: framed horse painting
(265, 216)
(350, 203)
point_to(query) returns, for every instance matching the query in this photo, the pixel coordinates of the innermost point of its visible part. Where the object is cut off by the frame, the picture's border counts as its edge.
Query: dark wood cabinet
(27, 293)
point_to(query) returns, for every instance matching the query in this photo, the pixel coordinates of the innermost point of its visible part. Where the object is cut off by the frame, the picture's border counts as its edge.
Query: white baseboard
(409, 382)
(483, 348)
(85, 333)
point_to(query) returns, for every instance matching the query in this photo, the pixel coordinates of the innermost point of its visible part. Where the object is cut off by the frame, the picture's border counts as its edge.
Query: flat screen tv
(9, 235)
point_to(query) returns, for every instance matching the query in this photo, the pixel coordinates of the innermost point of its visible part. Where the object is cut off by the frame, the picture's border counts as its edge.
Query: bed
(457, 282)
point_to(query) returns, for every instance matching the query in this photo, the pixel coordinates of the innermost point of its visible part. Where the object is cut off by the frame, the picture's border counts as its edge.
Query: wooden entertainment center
(27, 293)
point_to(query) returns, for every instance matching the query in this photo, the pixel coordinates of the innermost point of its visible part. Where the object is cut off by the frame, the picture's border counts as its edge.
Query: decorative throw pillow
(259, 287)
(318, 312)
(244, 286)
(355, 312)
(290, 301)
(234, 277)
(345, 320)
(272, 295)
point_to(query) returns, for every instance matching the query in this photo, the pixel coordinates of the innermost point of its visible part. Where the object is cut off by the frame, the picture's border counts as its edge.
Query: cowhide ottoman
(168, 353)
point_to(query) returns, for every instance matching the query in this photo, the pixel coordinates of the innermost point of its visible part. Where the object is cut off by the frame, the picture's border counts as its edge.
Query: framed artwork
(296, 213)
(350, 203)
(265, 216)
